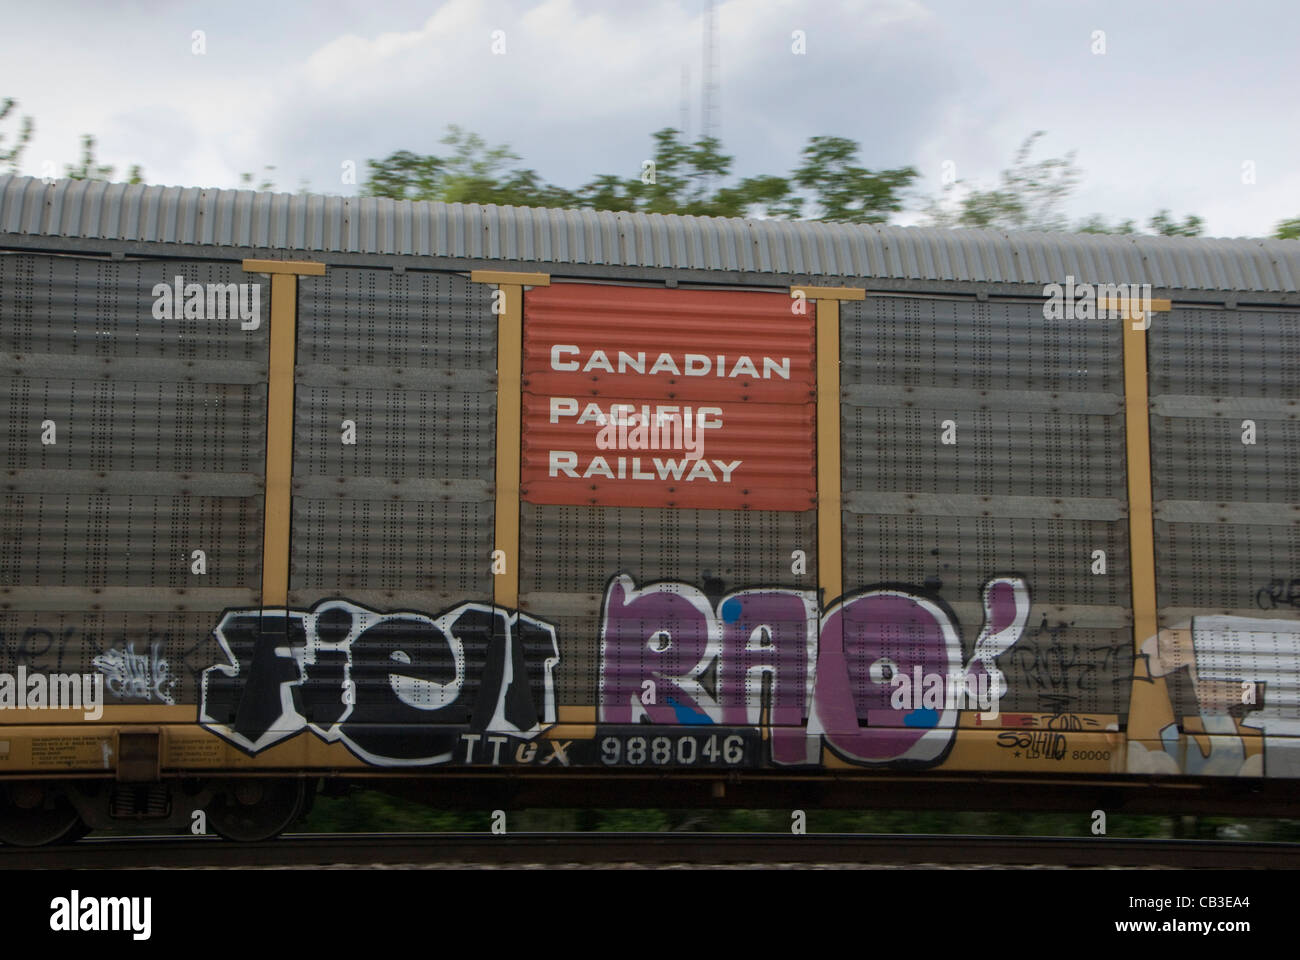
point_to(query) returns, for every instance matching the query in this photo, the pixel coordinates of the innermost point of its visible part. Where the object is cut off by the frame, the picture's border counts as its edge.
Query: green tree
(1288, 230)
(13, 155)
(679, 180)
(91, 169)
(845, 192)
(1097, 224)
(682, 178)
(473, 173)
(1029, 196)
(1164, 225)
(267, 182)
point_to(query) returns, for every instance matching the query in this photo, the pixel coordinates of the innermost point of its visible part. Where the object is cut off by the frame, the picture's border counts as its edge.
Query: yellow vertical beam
(1141, 532)
(830, 532)
(1137, 431)
(279, 422)
(510, 345)
(279, 441)
(1150, 710)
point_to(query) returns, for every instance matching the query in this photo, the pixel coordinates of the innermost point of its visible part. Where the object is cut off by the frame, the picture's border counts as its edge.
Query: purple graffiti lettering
(881, 679)
(769, 636)
(664, 633)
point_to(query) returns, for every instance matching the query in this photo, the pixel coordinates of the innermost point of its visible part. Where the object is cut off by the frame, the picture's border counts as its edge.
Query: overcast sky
(1188, 99)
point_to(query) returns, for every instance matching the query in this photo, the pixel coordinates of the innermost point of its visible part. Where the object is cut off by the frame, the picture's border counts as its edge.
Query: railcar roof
(316, 224)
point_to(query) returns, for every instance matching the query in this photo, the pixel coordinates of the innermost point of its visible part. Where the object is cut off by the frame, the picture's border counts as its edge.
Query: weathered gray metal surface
(1032, 484)
(134, 436)
(1225, 450)
(240, 218)
(403, 516)
(569, 555)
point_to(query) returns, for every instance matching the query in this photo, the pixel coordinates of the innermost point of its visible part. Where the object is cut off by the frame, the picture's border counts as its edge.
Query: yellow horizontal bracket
(829, 293)
(508, 277)
(307, 268)
(1133, 308)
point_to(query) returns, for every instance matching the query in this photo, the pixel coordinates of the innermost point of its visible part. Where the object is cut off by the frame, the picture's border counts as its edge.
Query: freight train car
(569, 507)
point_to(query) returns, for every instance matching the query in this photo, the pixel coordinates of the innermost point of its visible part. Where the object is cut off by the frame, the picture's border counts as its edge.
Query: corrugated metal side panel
(569, 555)
(1032, 483)
(403, 516)
(1225, 442)
(734, 371)
(380, 226)
(158, 450)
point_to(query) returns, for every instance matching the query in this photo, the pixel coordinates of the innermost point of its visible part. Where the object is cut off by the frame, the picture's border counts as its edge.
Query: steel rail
(472, 849)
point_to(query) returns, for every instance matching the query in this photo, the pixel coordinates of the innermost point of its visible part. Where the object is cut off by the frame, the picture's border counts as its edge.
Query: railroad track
(648, 849)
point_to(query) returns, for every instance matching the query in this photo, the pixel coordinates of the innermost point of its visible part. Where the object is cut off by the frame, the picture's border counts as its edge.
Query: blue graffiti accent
(921, 718)
(731, 610)
(686, 715)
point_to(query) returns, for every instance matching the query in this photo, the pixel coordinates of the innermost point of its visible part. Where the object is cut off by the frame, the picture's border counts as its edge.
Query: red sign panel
(636, 397)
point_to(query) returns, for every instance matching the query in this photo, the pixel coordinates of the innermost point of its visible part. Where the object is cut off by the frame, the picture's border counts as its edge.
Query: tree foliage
(472, 173)
(1288, 229)
(846, 192)
(1164, 225)
(682, 178)
(91, 169)
(12, 155)
(1030, 195)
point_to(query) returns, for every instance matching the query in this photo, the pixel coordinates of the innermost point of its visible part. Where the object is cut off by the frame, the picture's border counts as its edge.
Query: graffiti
(1034, 744)
(1279, 593)
(1234, 665)
(137, 676)
(837, 678)
(1062, 672)
(52, 650)
(395, 688)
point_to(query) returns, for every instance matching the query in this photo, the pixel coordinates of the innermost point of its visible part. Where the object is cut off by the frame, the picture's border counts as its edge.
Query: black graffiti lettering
(541, 652)
(324, 700)
(247, 698)
(68, 634)
(1037, 744)
(26, 654)
(326, 690)
(1268, 597)
(395, 688)
(483, 632)
(409, 689)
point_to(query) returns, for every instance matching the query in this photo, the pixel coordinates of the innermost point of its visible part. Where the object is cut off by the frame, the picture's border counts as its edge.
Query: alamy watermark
(55, 691)
(1102, 301)
(624, 426)
(75, 913)
(209, 301)
(952, 691)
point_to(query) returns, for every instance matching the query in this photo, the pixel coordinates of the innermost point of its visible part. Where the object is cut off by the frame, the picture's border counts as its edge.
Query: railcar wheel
(250, 810)
(31, 815)
(76, 832)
